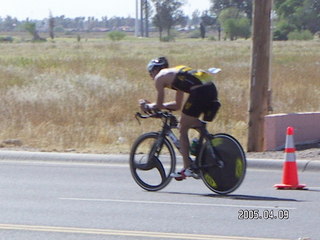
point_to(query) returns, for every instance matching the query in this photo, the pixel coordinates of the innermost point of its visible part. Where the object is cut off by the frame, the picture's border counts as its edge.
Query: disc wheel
(222, 163)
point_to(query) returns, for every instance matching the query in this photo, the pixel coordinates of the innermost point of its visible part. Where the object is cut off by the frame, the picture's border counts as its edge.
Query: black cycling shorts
(202, 99)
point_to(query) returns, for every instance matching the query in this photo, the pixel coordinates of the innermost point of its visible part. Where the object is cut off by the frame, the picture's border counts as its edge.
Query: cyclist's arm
(175, 105)
(160, 104)
(161, 83)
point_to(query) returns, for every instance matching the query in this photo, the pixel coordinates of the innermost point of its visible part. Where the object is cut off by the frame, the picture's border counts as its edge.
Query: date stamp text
(267, 214)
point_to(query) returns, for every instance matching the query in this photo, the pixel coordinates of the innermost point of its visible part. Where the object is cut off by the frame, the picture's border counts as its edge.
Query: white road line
(175, 203)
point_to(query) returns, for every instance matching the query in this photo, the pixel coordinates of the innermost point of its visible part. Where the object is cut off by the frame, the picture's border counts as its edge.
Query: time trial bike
(219, 158)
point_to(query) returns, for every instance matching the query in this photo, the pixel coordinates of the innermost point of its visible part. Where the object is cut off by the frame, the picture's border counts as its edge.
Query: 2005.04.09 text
(256, 214)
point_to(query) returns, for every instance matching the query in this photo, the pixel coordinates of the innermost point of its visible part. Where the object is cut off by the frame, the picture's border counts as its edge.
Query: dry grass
(66, 95)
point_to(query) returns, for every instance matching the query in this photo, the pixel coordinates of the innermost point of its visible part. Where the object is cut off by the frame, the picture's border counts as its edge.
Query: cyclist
(203, 99)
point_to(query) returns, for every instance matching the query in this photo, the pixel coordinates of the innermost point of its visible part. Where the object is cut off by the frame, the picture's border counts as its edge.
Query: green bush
(300, 35)
(283, 28)
(244, 28)
(194, 34)
(212, 38)
(6, 39)
(116, 36)
(237, 27)
(168, 39)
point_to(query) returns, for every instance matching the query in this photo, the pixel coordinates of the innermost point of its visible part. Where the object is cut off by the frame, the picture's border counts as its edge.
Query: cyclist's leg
(191, 112)
(195, 105)
(186, 123)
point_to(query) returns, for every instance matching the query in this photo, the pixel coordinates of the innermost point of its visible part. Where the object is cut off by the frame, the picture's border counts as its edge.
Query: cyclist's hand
(145, 106)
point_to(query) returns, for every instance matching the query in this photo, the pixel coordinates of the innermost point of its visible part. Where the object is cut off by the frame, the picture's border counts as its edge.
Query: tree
(208, 19)
(202, 30)
(234, 23)
(296, 16)
(230, 28)
(310, 14)
(244, 28)
(288, 7)
(158, 19)
(51, 26)
(195, 18)
(8, 24)
(31, 28)
(244, 6)
(168, 14)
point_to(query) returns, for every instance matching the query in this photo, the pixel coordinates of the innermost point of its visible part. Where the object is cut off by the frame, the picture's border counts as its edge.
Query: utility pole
(146, 9)
(260, 74)
(136, 27)
(141, 17)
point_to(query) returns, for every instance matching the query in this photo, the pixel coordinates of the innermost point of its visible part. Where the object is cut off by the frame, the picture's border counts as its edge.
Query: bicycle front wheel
(222, 163)
(151, 162)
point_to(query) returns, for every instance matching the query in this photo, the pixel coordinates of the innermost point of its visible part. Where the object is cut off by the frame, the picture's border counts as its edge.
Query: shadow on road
(253, 198)
(239, 197)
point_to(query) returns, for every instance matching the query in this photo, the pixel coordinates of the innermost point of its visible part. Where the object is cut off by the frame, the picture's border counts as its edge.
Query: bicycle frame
(166, 131)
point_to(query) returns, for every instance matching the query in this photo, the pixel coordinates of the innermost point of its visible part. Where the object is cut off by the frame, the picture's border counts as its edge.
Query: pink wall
(306, 126)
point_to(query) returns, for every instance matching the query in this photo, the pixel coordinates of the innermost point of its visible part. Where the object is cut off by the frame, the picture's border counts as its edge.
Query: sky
(40, 9)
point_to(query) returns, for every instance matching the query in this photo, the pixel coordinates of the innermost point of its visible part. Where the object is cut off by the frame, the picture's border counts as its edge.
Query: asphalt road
(74, 200)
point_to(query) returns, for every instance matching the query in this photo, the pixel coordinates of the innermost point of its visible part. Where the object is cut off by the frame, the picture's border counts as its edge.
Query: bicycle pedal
(197, 177)
(194, 167)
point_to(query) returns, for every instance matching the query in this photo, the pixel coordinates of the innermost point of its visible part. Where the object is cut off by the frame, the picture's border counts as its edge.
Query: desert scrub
(83, 96)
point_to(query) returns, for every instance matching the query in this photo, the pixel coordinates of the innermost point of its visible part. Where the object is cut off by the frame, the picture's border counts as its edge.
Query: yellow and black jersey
(187, 78)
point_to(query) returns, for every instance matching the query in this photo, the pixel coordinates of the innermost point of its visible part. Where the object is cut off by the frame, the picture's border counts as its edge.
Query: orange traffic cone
(290, 173)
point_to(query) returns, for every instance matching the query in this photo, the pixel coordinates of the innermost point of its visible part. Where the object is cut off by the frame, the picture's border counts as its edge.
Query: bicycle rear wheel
(226, 177)
(151, 167)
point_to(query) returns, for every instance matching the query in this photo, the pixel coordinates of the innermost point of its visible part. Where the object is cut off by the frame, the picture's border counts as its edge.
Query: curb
(265, 164)
(63, 157)
(275, 164)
